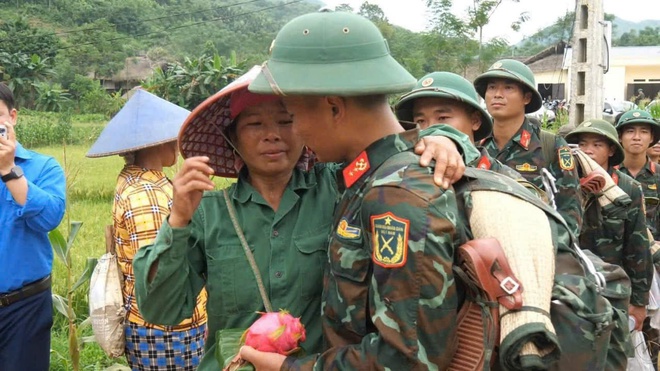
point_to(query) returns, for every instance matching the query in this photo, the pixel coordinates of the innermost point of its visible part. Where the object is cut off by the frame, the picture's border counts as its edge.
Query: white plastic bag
(106, 306)
(642, 359)
(653, 307)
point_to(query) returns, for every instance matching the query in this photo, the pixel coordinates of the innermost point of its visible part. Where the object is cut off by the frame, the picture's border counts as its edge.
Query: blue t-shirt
(25, 251)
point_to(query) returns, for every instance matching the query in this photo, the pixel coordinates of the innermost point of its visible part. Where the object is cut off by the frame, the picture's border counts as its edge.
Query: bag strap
(548, 146)
(110, 239)
(248, 252)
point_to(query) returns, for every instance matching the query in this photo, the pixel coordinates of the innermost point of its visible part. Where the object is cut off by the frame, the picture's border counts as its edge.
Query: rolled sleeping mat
(527, 336)
(597, 181)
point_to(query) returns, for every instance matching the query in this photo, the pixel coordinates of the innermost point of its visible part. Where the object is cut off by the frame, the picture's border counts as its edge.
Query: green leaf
(87, 339)
(86, 274)
(228, 343)
(73, 232)
(86, 323)
(59, 245)
(60, 304)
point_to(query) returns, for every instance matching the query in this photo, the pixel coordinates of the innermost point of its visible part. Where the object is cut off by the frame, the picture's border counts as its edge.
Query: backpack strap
(548, 146)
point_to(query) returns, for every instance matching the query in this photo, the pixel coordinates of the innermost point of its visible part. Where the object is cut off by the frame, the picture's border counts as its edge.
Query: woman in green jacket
(283, 204)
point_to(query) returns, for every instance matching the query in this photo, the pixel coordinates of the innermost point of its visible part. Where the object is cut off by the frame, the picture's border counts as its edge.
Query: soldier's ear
(337, 107)
(475, 120)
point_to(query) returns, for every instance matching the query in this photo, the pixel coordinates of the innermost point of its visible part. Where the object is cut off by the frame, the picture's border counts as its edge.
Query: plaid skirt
(150, 349)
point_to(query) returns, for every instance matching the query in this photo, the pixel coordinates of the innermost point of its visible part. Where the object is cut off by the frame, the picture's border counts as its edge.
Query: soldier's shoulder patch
(348, 231)
(565, 158)
(390, 240)
(526, 167)
(525, 138)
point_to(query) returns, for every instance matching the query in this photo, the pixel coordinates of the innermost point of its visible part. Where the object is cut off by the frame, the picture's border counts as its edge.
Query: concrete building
(631, 68)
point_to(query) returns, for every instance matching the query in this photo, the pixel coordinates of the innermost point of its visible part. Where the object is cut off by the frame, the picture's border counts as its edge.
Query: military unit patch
(566, 161)
(390, 240)
(653, 186)
(347, 231)
(526, 167)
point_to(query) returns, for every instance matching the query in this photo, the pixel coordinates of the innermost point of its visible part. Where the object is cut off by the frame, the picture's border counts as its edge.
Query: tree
(17, 36)
(372, 12)
(648, 36)
(187, 84)
(344, 8)
(480, 14)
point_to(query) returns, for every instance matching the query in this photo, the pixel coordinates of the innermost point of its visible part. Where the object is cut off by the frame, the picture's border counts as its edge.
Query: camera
(3, 131)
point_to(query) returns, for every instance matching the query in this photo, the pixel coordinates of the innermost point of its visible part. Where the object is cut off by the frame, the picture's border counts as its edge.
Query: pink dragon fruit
(275, 332)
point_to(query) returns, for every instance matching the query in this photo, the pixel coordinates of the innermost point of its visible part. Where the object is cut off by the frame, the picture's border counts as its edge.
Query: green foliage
(18, 36)
(64, 304)
(649, 36)
(189, 83)
(50, 97)
(90, 97)
(54, 129)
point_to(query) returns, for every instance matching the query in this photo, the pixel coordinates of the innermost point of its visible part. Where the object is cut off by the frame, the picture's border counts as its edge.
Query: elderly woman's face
(265, 139)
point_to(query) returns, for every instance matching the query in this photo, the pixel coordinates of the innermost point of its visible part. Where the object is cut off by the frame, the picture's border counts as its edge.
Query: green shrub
(43, 129)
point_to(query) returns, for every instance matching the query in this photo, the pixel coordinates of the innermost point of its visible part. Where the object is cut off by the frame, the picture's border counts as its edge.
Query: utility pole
(586, 97)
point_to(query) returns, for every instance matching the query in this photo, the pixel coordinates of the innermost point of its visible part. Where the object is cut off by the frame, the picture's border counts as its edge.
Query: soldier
(638, 131)
(390, 298)
(617, 236)
(510, 91)
(447, 98)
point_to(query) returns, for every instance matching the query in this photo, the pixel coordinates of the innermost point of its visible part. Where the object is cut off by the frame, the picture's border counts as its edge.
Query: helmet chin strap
(271, 80)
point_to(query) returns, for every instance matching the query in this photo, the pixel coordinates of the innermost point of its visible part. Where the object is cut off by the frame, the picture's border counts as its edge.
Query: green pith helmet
(444, 85)
(602, 128)
(511, 70)
(638, 116)
(331, 53)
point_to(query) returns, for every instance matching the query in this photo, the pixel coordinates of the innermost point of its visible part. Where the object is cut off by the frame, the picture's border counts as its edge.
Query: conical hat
(145, 121)
(203, 133)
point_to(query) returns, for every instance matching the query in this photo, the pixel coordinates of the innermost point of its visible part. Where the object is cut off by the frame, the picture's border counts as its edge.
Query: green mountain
(94, 37)
(622, 26)
(562, 28)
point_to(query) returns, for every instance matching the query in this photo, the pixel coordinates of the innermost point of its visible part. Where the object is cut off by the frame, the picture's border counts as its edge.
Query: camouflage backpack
(581, 315)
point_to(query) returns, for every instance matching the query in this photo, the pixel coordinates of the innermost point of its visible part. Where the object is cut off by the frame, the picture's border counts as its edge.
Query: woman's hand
(262, 361)
(189, 186)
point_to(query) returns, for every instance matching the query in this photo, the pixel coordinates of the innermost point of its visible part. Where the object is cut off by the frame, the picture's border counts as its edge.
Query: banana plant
(64, 304)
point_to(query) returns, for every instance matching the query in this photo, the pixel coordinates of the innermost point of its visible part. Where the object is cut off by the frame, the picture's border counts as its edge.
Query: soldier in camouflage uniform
(510, 91)
(618, 236)
(447, 98)
(637, 132)
(390, 296)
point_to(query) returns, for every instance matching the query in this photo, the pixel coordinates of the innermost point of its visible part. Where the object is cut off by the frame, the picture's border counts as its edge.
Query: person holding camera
(32, 203)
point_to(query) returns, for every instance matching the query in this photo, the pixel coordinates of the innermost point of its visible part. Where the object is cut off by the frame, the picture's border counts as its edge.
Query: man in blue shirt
(32, 199)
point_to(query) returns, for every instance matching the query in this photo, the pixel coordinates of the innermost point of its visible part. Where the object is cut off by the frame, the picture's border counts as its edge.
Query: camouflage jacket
(487, 162)
(389, 294)
(649, 178)
(524, 153)
(621, 239)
